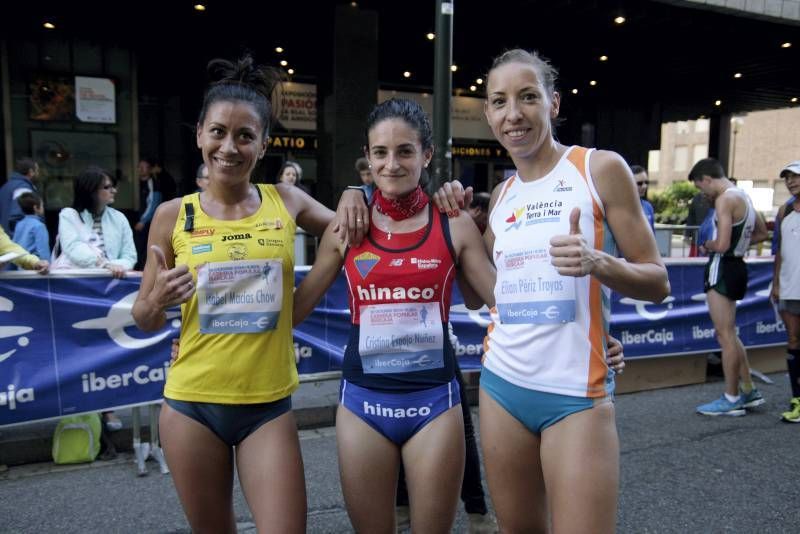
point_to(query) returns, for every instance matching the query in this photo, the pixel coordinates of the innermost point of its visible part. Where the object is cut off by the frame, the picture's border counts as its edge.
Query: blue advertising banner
(681, 324)
(70, 346)
(68, 343)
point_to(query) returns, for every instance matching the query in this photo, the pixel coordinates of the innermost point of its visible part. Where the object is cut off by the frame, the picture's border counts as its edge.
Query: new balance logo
(396, 413)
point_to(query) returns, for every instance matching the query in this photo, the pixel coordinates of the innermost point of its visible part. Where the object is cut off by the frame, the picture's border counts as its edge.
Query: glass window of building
(699, 152)
(653, 161)
(681, 162)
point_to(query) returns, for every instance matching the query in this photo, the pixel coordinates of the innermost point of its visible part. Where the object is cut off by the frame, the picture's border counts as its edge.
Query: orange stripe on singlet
(597, 365)
(486, 337)
(505, 189)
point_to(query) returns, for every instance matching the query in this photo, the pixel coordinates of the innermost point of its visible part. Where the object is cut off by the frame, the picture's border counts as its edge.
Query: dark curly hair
(406, 110)
(242, 81)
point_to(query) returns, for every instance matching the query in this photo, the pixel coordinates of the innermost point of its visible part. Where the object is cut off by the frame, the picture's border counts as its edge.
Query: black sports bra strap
(189, 225)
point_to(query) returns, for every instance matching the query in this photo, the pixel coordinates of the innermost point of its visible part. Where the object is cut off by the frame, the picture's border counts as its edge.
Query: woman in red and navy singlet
(399, 397)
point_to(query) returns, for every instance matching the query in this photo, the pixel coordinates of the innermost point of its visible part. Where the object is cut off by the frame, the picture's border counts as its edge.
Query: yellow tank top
(236, 337)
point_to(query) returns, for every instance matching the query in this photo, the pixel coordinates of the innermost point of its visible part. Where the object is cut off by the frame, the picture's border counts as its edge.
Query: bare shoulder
(461, 223)
(612, 177)
(606, 164)
(168, 210)
(293, 197)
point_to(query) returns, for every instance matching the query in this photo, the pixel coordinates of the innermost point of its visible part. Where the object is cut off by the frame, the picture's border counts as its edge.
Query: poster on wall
(62, 155)
(95, 100)
(298, 106)
(52, 98)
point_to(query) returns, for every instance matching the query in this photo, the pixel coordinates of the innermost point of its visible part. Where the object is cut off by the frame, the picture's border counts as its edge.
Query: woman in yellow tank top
(226, 255)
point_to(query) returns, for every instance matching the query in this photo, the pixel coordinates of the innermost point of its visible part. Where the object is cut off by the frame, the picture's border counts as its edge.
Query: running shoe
(482, 524)
(402, 517)
(793, 415)
(752, 399)
(722, 406)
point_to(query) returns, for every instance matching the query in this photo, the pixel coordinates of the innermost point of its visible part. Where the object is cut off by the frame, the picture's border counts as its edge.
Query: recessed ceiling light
(603, 58)
(199, 7)
(354, 4)
(284, 63)
(406, 74)
(574, 91)
(49, 26)
(453, 68)
(479, 81)
(737, 75)
(717, 102)
(431, 36)
(619, 20)
(279, 49)
(473, 88)
(593, 82)
(290, 71)
(787, 44)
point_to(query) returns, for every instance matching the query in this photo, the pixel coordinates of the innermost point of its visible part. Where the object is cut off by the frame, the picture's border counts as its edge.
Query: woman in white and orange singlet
(548, 432)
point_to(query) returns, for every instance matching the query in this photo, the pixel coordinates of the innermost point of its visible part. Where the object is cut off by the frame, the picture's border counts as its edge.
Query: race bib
(237, 297)
(401, 338)
(529, 290)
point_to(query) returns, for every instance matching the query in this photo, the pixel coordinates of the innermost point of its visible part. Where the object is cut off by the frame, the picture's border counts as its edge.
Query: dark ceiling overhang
(671, 56)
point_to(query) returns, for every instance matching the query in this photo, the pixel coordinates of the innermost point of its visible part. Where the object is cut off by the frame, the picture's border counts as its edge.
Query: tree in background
(672, 204)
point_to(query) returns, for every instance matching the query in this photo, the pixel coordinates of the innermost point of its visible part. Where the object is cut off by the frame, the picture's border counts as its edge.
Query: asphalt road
(681, 473)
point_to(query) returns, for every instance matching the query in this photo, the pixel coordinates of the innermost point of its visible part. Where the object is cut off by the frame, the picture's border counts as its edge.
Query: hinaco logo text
(396, 413)
(396, 293)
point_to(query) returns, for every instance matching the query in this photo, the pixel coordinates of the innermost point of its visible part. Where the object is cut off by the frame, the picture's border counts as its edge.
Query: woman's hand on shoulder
(352, 217)
(452, 197)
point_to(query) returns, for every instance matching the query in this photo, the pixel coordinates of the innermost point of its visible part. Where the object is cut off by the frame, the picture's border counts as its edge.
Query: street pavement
(681, 473)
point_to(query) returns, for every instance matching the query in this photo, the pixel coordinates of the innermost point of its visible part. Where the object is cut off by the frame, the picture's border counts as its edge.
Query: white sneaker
(402, 518)
(482, 524)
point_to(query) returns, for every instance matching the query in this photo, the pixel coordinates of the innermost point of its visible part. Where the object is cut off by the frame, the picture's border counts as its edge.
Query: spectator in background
(640, 175)
(150, 196)
(20, 181)
(699, 208)
(735, 227)
(479, 210)
(786, 282)
(165, 181)
(364, 170)
(201, 178)
(31, 232)
(93, 234)
(21, 258)
(291, 173)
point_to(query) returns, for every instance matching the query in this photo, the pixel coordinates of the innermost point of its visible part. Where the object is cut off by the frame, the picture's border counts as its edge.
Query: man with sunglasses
(640, 175)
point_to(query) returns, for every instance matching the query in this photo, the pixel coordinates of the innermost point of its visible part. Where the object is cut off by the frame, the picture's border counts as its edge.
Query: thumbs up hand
(172, 286)
(570, 254)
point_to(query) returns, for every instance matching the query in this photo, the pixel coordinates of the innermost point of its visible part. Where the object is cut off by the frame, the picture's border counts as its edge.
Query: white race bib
(401, 338)
(529, 290)
(236, 297)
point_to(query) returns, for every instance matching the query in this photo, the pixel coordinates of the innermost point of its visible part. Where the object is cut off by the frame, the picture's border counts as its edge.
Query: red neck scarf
(401, 208)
